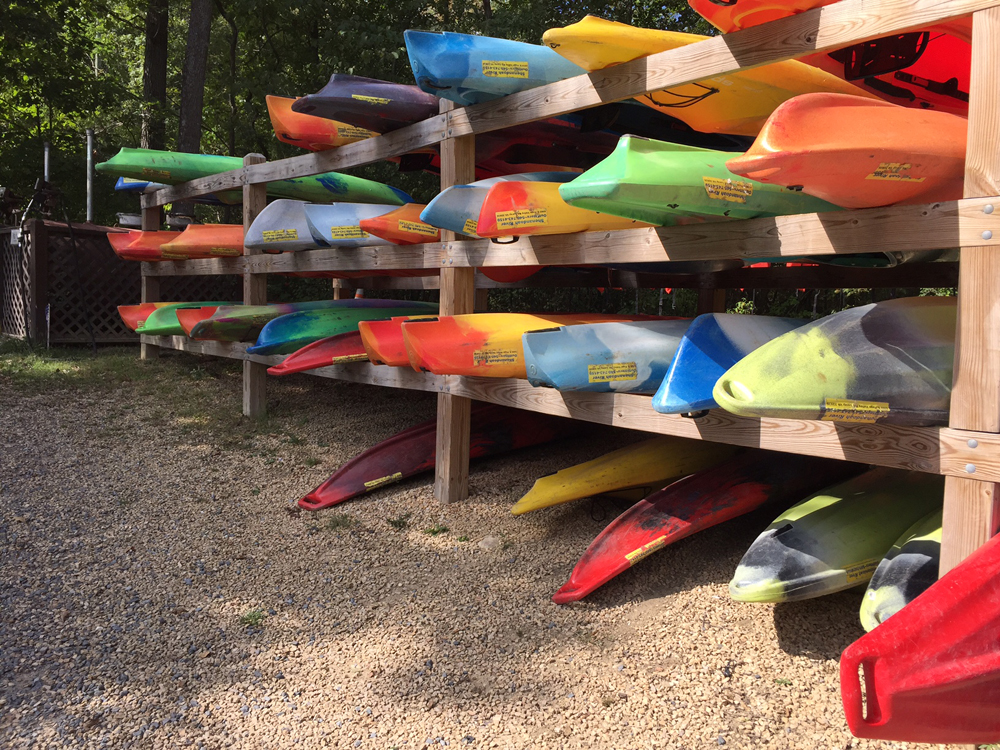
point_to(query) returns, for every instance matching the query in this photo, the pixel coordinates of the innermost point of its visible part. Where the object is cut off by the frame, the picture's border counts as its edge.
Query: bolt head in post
(970, 468)
(973, 443)
(987, 235)
(988, 208)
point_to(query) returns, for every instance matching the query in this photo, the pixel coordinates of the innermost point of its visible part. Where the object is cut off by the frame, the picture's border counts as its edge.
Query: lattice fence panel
(14, 287)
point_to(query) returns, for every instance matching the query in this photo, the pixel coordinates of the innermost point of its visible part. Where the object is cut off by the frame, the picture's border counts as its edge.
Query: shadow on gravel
(819, 628)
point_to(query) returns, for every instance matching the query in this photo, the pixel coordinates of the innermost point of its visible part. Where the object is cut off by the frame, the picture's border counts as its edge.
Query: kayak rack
(967, 452)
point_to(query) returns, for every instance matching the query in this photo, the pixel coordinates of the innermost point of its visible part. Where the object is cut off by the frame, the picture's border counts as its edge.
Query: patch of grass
(255, 491)
(436, 529)
(36, 369)
(782, 681)
(312, 461)
(253, 618)
(295, 440)
(340, 521)
(463, 538)
(400, 523)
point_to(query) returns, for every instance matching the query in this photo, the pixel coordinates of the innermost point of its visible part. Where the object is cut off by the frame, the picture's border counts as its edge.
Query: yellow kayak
(737, 103)
(649, 465)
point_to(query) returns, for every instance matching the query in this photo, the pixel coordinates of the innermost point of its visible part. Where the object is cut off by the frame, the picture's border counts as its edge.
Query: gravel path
(158, 590)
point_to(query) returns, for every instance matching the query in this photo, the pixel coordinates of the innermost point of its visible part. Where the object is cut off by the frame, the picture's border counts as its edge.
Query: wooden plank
(972, 508)
(38, 281)
(834, 26)
(254, 293)
(710, 299)
(150, 280)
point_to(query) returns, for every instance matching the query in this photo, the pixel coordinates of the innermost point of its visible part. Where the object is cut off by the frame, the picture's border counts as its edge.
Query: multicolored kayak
(630, 357)
(282, 227)
(859, 153)
(889, 362)
(836, 538)
(341, 349)
(402, 226)
(470, 69)
(737, 103)
(495, 430)
(909, 568)
(481, 344)
(513, 209)
(650, 464)
(189, 317)
(711, 345)
(338, 225)
(663, 183)
(695, 503)
(144, 246)
(308, 131)
(134, 316)
(369, 103)
(206, 241)
(932, 673)
(172, 168)
(293, 331)
(244, 323)
(383, 340)
(163, 320)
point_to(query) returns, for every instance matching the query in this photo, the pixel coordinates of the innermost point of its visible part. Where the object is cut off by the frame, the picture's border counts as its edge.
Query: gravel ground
(159, 589)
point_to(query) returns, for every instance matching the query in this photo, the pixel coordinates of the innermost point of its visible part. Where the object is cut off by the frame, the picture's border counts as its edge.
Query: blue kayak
(457, 208)
(131, 185)
(469, 69)
(624, 357)
(338, 224)
(714, 343)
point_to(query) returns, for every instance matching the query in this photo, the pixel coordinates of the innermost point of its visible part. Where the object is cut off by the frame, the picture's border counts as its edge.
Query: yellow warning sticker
(370, 485)
(846, 410)
(733, 191)
(417, 227)
(159, 174)
(861, 571)
(280, 235)
(349, 358)
(894, 171)
(131, 181)
(505, 69)
(350, 232)
(522, 217)
(494, 356)
(469, 227)
(612, 372)
(352, 131)
(645, 550)
(371, 99)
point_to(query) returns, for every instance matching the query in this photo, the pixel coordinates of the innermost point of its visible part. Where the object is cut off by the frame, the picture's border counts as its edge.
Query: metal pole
(45, 167)
(90, 175)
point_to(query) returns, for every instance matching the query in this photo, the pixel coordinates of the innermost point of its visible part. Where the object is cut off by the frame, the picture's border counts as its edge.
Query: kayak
(189, 317)
(470, 69)
(737, 102)
(629, 357)
(650, 464)
(716, 494)
(383, 340)
(530, 208)
(285, 334)
(711, 345)
(909, 568)
(163, 320)
(932, 673)
(402, 226)
(308, 131)
(859, 153)
(481, 344)
(206, 241)
(333, 350)
(141, 187)
(494, 430)
(369, 103)
(282, 227)
(144, 246)
(662, 183)
(245, 322)
(836, 538)
(890, 362)
(134, 316)
(338, 224)
(172, 168)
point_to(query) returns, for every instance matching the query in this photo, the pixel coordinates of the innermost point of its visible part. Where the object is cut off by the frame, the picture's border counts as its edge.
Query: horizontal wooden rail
(937, 450)
(838, 25)
(896, 229)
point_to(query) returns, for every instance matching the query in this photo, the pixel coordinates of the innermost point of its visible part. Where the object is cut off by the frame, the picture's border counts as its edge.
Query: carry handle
(860, 708)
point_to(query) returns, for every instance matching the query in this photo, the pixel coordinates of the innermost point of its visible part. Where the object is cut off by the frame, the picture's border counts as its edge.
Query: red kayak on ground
(333, 350)
(698, 502)
(932, 670)
(495, 430)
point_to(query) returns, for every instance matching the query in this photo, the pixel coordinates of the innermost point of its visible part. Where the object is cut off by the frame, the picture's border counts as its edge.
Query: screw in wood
(988, 208)
(970, 468)
(987, 235)
(973, 443)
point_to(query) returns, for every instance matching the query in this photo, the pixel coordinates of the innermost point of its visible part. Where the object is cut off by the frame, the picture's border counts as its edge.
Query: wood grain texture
(710, 298)
(254, 293)
(971, 517)
(38, 281)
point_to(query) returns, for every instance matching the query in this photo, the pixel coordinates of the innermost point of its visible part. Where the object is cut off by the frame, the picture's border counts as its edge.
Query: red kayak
(698, 502)
(333, 350)
(134, 316)
(932, 670)
(495, 430)
(189, 317)
(147, 246)
(383, 340)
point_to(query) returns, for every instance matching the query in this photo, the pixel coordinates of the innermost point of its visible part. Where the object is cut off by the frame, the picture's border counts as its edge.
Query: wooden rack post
(254, 293)
(150, 284)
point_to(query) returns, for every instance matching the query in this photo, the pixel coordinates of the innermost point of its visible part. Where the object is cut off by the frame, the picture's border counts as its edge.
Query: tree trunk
(234, 41)
(193, 83)
(154, 76)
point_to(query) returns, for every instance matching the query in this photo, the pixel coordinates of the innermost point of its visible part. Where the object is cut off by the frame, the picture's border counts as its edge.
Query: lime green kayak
(835, 539)
(163, 320)
(662, 183)
(172, 168)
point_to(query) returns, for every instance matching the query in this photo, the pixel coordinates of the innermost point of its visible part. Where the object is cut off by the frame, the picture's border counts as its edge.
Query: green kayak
(163, 320)
(173, 168)
(662, 183)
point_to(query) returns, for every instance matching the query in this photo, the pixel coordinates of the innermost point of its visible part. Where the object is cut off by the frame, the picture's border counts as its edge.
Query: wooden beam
(150, 279)
(38, 281)
(254, 293)
(971, 506)
(710, 298)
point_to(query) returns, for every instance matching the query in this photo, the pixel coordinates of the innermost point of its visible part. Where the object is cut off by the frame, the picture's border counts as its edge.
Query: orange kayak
(309, 131)
(189, 317)
(859, 153)
(402, 226)
(145, 246)
(383, 340)
(207, 241)
(134, 316)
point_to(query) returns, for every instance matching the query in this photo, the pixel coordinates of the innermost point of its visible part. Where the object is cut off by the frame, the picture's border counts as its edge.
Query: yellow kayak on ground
(737, 103)
(648, 466)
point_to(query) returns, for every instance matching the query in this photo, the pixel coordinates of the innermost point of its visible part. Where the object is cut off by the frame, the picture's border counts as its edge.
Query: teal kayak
(172, 168)
(163, 320)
